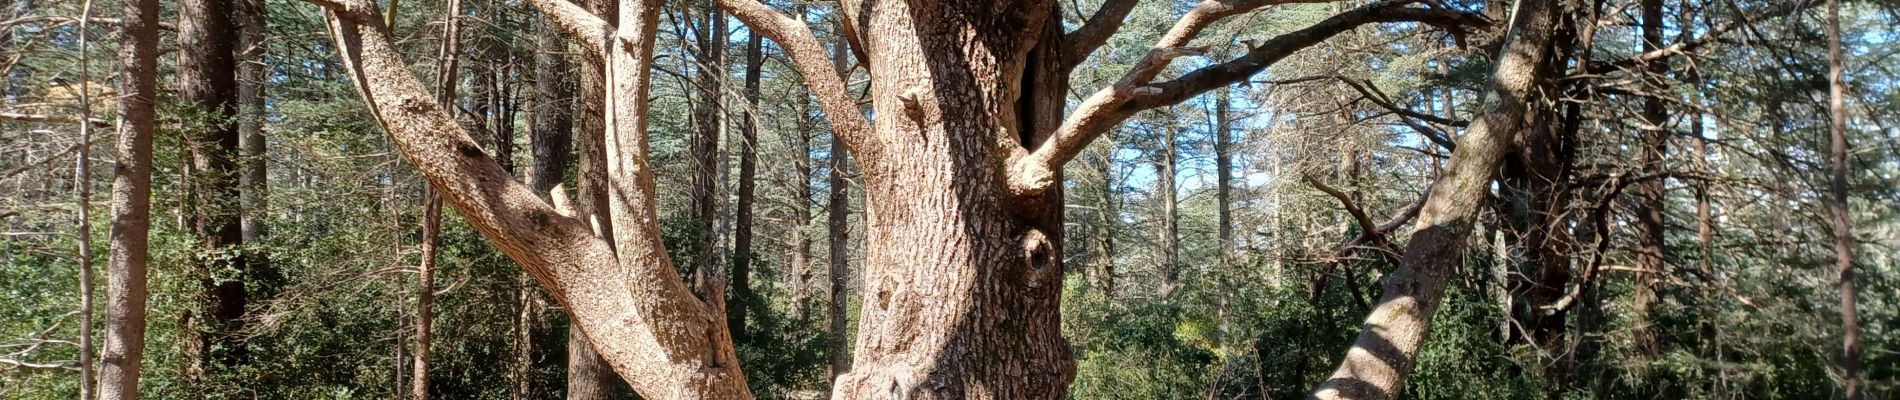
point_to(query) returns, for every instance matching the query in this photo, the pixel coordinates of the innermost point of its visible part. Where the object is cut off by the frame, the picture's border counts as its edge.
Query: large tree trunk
(588, 375)
(962, 283)
(1843, 221)
(1384, 354)
(207, 81)
(1651, 252)
(131, 203)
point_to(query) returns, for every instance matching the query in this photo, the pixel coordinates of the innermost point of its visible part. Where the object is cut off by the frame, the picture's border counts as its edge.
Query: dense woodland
(944, 199)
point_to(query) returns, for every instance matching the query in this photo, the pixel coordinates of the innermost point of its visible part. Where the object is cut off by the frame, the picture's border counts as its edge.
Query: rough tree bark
(1382, 357)
(207, 81)
(1843, 221)
(131, 203)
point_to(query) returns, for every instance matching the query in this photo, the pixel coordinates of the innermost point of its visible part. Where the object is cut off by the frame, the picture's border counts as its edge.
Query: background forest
(1678, 243)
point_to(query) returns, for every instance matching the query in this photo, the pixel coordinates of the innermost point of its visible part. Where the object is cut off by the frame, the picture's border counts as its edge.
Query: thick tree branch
(1110, 106)
(590, 30)
(808, 56)
(1077, 45)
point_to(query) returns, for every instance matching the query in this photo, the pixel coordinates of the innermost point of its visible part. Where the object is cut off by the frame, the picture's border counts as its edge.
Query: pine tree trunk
(1224, 175)
(837, 227)
(131, 203)
(1843, 220)
(1170, 224)
(742, 212)
(207, 81)
(711, 38)
(837, 224)
(1651, 252)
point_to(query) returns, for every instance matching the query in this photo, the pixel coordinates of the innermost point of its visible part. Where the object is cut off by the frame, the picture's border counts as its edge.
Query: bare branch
(52, 119)
(70, 20)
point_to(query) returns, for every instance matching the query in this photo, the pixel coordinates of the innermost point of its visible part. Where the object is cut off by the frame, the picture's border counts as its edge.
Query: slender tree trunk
(1109, 215)
(711, 38)
(252, 73)
(131, 202)
(742, 213)
(588, 375)
(1650, 251)
(448, 74)
(800, 264)
(1843, 220)
(82, 182)
(1383, 355)
(837, 225)
(207, 81)
(1224, 174)
(1170, 224)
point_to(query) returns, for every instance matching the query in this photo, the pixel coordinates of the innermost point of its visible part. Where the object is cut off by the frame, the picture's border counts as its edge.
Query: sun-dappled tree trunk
(1383, 355)
(1843, 220)
(124, 350)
